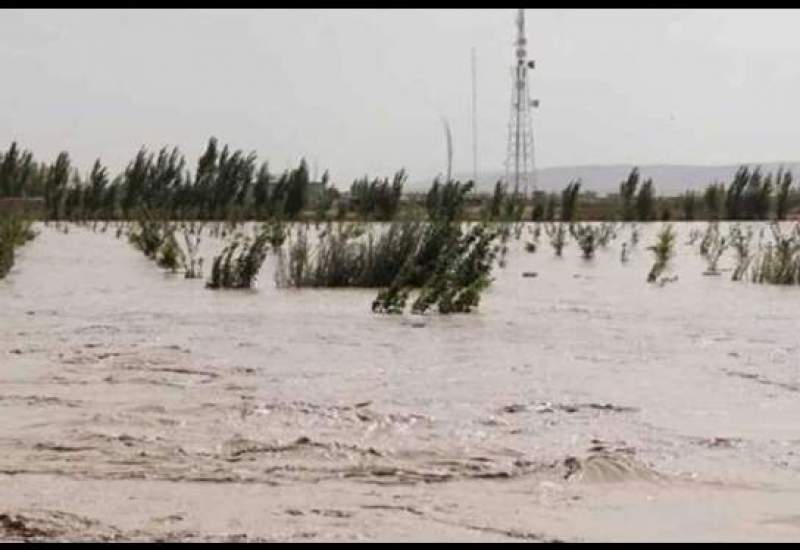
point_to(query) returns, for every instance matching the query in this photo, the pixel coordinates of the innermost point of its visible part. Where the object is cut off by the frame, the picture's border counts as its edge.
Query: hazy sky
(363, 91)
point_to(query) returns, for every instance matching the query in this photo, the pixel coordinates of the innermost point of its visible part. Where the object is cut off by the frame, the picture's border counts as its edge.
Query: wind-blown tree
(98, 181)
(756, 197)
(627, 195)
(55, 185)
(713, 200)
(134, 182)
(18, 171)
(550, 209)
(74, 199)
(645, 202)
(297, 190)
(784, 184)
(689, 205)
(569, 200)
(497, 200)
(261, 196)
(446, 201)
(163, 179)
(514, 206)
(378, 199)
(205, 179)
(734, 197)
(504, 205)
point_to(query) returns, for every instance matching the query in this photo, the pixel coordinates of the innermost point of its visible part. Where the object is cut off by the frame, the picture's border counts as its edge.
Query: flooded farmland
(580, 404)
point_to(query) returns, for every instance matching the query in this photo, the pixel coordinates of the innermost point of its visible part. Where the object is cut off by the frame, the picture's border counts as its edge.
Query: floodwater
(581, 404)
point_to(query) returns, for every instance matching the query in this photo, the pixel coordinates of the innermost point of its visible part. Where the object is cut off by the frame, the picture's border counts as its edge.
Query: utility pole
(449, 138)
(474, 117)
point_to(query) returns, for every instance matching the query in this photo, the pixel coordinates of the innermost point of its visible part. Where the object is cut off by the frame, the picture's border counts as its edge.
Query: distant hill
(669, 179)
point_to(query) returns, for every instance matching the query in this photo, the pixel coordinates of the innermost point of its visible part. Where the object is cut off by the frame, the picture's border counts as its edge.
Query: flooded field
(579, 404)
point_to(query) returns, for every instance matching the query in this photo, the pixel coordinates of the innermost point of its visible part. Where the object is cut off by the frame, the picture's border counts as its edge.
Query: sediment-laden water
(579, 404)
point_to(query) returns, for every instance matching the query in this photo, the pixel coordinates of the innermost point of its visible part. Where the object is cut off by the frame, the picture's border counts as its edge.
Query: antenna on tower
(519, 159)
(474, 117)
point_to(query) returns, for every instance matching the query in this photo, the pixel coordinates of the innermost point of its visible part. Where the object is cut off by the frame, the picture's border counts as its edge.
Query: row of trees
(231, 184)
(751, 195)
(226, 184)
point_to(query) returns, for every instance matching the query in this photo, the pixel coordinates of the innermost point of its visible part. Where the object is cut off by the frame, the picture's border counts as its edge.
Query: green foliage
(377, 200)
(586, 237)
(713, 200)
(461, 274)
(148, 235)
(645, 202)
(19, 174)
(689, 205)
(627, 193)
(346, 256)
(453, 280)
(779, 262)
(445, 202)
(784, 184)
(569, 201)
(170, 255)
(663, 251)
(15, 231)
(558, 236)
(550, 208)
(228, 184)
(276, 233)
(238, 264)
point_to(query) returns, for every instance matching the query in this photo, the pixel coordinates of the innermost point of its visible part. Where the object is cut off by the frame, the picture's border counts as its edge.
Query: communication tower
(520, 167)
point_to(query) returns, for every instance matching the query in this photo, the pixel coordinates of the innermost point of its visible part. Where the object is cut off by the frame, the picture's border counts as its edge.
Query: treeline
(751, 195)
(225, 184)
(232, 185)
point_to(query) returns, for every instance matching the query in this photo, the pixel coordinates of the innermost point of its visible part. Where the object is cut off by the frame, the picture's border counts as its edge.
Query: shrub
(663, 251)
(238, 264)
(557, 234)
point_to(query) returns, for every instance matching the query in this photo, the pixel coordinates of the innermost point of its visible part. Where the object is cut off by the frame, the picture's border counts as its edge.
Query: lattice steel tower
(520, 168)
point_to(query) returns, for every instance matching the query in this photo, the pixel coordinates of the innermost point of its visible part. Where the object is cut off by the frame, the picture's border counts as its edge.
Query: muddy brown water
(580, 404)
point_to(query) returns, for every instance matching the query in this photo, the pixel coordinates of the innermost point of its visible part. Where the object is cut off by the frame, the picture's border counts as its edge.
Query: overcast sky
(363, 91)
